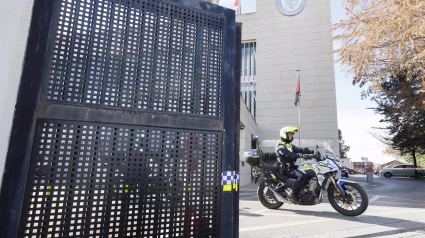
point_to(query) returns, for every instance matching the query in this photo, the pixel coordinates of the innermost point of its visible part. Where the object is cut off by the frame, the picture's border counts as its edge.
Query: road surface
(396, 209)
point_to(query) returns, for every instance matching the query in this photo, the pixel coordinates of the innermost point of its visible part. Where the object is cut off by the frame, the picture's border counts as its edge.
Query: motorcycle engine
(310, 188)
(308, 197)
(312, 185)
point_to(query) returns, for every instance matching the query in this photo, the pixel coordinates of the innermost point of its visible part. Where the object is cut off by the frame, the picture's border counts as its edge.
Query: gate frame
(30, 107)
(23, 125)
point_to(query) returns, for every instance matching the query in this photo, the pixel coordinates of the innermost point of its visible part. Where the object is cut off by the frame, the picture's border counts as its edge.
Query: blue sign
(363, 158)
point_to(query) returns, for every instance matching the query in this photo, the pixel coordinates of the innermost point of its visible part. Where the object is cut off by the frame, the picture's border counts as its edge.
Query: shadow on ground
(398, 224)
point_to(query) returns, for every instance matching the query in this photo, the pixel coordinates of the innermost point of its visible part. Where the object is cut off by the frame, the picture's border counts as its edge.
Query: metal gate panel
(106, 180)
(145, 55)
(127, 114)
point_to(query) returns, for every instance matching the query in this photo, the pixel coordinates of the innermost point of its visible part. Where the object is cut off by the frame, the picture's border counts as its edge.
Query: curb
(251, 187)
(248, 191)
(367, 184)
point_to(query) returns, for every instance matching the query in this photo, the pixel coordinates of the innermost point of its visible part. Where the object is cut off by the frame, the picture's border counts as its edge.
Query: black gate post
(231, 100)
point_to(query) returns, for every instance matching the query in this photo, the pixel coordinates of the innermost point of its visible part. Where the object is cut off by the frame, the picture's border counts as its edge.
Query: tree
(380, 38)
(420, 160)
(404, 124)
(343, 148)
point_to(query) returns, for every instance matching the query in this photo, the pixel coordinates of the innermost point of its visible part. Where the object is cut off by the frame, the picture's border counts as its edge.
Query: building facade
(361, 167)
(390, 164)
(278, 39)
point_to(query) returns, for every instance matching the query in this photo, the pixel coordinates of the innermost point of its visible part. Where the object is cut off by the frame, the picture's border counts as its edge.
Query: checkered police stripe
(230, 181)
(236, 182)
(236, 179)
(227, 177)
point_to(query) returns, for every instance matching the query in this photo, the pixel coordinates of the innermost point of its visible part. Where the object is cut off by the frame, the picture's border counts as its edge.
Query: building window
(248, 73)
(253, 142)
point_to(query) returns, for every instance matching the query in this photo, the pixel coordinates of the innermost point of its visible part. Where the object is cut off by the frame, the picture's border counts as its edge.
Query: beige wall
(286, 44)
(245, 143)
(14, 24)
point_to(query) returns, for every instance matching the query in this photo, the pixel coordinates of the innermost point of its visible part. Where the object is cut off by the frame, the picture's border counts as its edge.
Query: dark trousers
(301, 178)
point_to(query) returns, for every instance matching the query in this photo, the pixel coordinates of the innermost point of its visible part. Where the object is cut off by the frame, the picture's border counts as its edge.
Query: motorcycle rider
(287, 154)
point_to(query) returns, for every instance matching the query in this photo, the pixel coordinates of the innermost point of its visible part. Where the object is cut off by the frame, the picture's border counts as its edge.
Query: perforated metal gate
(94, 179)
(135, 117)
(136, 55)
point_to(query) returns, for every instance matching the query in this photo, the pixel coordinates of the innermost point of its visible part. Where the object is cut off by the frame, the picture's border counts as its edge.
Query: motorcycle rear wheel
(344, 207)
(268, 202)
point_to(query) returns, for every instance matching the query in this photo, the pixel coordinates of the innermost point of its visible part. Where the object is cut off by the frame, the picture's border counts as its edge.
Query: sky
(247, 6)
(354, 119)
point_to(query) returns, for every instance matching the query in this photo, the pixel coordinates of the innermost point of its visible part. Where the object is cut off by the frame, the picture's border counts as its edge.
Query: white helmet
(288, 129)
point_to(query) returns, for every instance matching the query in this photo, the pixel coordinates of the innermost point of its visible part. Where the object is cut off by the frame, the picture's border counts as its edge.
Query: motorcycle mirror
(317, 147)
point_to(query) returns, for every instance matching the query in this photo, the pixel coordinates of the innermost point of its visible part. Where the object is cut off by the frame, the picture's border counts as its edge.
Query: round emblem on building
(290, 7)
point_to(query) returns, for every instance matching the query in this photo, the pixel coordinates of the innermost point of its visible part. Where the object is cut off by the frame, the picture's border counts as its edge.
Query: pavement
(396, 209)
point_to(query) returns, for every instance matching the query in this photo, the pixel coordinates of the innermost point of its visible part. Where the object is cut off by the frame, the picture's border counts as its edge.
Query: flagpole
(240, 7)
(299, 113)
(299, 125)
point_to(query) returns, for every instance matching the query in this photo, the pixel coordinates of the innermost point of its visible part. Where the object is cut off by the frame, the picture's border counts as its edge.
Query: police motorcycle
(345, 195)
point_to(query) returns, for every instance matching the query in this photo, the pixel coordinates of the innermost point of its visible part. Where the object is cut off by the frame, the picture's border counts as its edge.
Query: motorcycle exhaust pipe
(320, 197)
(275, 195)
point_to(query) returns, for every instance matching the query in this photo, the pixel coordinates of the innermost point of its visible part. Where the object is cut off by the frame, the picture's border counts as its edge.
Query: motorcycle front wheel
(267, 201)
(354, 203)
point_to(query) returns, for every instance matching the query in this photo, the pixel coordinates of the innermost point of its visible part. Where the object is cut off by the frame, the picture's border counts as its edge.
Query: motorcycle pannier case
(253, 160)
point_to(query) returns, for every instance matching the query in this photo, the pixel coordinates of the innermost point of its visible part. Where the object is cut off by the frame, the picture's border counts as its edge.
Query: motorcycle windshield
(328, 149)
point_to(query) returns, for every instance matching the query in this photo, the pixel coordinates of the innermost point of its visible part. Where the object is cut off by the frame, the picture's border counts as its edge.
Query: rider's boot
(293, 195)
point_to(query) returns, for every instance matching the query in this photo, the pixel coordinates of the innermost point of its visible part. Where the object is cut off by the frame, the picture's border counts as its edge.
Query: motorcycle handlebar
(320, 158)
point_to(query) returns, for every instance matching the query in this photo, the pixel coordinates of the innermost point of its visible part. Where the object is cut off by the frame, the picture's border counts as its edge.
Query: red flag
(298, 91)
(236, 5)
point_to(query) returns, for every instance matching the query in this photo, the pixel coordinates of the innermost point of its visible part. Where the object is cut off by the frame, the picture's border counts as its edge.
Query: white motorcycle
(345, 195)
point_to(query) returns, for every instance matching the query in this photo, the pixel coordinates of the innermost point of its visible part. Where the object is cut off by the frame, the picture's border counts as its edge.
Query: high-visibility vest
(287, 145)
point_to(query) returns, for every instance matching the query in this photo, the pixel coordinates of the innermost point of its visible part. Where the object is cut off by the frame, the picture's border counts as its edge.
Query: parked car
(344, 173)
(350, 171)
(402, 170)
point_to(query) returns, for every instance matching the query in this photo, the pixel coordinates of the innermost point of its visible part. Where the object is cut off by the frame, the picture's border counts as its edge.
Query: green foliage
(404, 124)
(419, 158)
(343, 148)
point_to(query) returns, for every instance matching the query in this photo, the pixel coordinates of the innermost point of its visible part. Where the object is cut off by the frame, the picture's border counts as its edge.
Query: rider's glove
(308, 151)
(308, 157)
